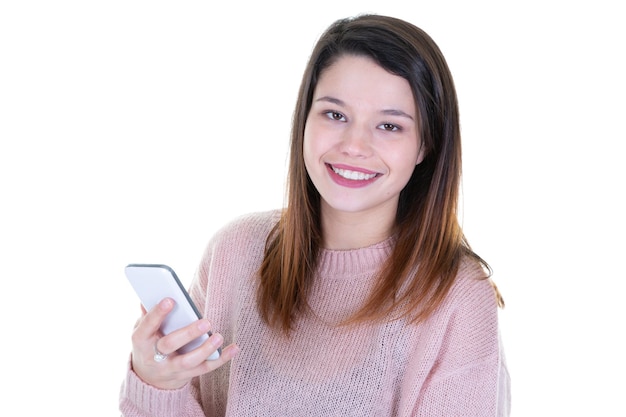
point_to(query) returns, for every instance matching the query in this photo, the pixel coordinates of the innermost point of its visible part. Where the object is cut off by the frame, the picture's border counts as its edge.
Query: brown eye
(389, 127)
(335, 116)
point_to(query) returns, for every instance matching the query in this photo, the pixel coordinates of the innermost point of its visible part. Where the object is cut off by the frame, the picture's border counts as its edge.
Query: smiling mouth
(353, 175)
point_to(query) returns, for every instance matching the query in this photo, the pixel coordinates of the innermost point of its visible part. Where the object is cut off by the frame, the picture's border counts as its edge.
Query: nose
(356, 141)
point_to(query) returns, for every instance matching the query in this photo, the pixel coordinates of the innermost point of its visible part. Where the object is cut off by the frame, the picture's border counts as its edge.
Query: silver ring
(158, 356)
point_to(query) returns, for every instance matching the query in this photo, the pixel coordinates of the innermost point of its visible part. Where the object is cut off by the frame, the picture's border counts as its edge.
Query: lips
(351, 177)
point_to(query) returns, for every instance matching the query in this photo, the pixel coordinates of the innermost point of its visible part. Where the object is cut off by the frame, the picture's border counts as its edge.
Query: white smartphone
(153, 283)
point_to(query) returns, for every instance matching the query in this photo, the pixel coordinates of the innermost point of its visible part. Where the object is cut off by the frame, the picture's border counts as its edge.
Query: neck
(343, 231)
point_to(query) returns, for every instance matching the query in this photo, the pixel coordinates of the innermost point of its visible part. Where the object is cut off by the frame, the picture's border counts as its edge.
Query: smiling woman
(361, 297)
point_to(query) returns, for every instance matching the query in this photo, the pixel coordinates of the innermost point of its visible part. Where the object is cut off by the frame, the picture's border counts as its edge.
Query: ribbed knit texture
(450, 365)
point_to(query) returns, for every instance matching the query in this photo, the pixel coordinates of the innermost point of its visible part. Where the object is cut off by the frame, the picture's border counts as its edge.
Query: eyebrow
(391, 112)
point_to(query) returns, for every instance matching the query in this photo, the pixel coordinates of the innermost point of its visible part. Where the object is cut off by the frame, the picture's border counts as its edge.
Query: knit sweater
(451, 364)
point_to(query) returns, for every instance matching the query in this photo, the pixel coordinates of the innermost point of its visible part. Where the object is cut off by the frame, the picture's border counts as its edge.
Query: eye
(334, 115)
(389, 127)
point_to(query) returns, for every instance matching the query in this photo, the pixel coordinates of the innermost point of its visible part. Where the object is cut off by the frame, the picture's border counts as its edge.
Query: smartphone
(153, 283)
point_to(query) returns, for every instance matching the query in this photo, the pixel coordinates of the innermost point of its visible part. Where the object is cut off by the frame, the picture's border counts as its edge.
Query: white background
(131, 130)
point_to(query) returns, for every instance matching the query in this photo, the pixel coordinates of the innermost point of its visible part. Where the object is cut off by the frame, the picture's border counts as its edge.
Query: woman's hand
(177, 370)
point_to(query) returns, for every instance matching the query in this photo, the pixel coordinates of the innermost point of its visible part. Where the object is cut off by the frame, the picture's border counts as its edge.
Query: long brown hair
(427, 231)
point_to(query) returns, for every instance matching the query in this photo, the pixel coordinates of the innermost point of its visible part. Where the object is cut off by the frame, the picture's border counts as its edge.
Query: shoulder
(465, 327)
(469, 312)
(237, 247)
(469, 315)
(472, 287)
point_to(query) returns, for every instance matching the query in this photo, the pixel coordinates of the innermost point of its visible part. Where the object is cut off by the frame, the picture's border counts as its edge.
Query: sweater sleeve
(138, 399)
(468, 376)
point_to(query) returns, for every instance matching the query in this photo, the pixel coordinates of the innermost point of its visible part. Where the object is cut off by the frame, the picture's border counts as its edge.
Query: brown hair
(427, 229)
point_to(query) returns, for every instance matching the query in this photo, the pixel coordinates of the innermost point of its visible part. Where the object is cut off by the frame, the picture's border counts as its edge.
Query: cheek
(306, 147)
(312, 145)
(403, 156)
(309, 153)
(413, 155)
(404, 162)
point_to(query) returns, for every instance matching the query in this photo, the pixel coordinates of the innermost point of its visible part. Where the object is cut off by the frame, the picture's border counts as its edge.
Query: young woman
(361, 297)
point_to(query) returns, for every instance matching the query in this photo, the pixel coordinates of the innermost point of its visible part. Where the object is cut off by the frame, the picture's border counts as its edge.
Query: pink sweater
(450, 365)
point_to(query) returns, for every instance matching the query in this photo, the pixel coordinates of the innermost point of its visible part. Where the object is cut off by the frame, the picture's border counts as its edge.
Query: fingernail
(204, 325)
(217, 340)
(166, 303)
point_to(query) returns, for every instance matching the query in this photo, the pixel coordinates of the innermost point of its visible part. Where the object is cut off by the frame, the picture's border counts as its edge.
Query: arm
(478, 390)
(163, 388)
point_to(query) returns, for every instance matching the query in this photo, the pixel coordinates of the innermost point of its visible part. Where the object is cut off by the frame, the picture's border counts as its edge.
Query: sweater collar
(352, 262)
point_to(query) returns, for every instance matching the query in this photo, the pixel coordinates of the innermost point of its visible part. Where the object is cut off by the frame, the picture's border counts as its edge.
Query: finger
(150, 323)
(195, 363)
(159, 356)
(179, 338)
(205, 351)
(228, 353)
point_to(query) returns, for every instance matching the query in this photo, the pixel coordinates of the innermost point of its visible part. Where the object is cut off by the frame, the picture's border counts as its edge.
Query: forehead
(360, 79)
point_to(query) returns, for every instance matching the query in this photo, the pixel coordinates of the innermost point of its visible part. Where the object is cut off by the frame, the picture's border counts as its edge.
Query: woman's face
(361, 139)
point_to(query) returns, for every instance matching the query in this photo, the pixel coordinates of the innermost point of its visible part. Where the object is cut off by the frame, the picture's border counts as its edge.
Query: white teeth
(353, 175)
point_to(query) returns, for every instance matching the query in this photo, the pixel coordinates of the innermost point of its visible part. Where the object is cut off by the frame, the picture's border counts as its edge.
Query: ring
(158, 356)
